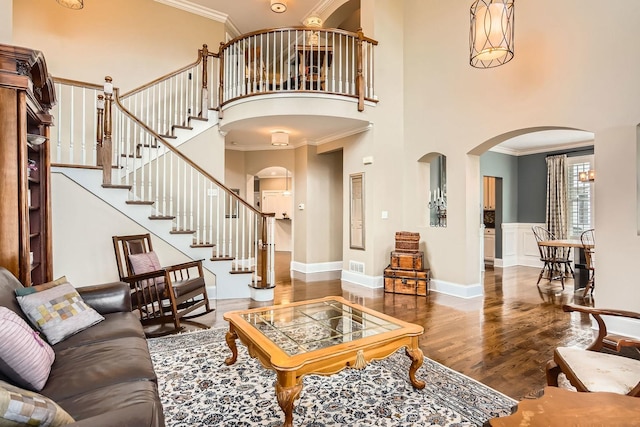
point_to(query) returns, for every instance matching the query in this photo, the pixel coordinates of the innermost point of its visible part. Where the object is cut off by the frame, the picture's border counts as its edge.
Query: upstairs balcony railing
(299, 59)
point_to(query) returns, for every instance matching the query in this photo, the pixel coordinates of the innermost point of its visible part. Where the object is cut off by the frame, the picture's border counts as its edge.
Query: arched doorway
(514, 166)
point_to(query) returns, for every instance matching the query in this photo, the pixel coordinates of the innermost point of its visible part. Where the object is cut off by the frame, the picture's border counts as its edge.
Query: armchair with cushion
(592, 369)
(160, 294)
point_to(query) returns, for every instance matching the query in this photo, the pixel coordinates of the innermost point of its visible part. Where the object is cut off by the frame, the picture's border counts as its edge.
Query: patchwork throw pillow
(24, 357)
(20, 407)
(58, 312)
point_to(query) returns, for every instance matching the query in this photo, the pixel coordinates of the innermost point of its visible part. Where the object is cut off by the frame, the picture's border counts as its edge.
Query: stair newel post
(359, 77)
(99, 129)
(107, 147)
(205, 91)
(267, 251)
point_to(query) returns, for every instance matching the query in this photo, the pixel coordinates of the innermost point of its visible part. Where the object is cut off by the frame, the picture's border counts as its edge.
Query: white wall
(559, 77)
(6, 22)
(134, 42)
(82, 227)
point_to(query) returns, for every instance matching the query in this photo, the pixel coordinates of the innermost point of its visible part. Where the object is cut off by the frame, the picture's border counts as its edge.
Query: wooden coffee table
(321, 336)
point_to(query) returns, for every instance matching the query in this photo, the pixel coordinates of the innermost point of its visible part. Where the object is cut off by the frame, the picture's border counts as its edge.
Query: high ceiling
(245, 16)
(251, 15)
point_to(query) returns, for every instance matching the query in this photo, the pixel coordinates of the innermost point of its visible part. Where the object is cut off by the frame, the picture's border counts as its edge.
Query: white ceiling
(544, 141)
(245, 16)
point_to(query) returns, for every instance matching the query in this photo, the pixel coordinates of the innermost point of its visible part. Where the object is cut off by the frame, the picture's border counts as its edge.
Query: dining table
(566, 243)
(578, 255)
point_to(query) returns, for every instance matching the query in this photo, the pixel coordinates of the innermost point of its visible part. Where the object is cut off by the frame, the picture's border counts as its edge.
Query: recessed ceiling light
(278, 6)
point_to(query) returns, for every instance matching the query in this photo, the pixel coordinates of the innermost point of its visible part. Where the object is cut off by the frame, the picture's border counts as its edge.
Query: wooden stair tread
(221, 258)
(139, 202)
(241, 271)
(182, 231)
(182, 127)
(132, 156)
(202, 119)
(157, 217)
(169, 136)
(148, 145)
(203, 245)
(118, 186)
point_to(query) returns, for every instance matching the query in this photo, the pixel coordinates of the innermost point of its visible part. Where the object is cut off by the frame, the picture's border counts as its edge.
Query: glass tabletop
(308, 327)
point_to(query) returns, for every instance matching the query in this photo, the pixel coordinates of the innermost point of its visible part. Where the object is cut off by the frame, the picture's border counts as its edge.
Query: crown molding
(538, 150)
(318, 9)
(206, 12)
(341, 135)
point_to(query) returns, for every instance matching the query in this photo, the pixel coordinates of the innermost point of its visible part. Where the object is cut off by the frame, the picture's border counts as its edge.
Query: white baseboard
(621, 326)
(457, 290)
(319, 267)
(316, 272)
(372, 282)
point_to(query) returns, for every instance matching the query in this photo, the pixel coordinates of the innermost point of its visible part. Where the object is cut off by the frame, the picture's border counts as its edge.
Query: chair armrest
(184, 265)
(598, 343)
(108, 297)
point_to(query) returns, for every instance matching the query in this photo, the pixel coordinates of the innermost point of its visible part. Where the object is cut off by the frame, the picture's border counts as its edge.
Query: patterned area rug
(198, 389)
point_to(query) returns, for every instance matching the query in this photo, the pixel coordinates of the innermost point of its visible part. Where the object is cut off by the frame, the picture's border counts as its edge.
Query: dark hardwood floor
(503, 339)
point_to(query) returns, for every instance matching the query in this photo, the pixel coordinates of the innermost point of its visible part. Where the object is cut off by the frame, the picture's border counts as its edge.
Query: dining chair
(588, 239)
(554, 259)
(160, 294)
(591, 369)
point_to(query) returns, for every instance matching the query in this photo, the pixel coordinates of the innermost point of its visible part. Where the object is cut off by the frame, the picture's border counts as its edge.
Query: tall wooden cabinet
(26, 96)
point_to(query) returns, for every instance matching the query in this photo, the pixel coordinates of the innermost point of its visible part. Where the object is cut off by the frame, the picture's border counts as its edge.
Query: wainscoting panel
(519, 245)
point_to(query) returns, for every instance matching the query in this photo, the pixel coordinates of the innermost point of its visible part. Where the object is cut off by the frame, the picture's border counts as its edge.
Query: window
(579, 195)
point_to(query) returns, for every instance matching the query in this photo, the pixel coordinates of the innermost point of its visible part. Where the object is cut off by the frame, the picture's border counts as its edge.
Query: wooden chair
(554, 259)
(589, 369)
(588, 239)
(160, 294)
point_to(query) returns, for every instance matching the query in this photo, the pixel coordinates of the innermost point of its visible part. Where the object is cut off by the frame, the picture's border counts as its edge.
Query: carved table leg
(286, 397)
(416, 356)
(231, 338)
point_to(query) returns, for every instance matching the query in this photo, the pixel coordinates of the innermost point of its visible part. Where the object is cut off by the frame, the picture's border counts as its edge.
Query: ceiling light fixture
(313, 37)
(72, 4)
(279, 138)
(313, 21)
(279, 6)
(491, 34)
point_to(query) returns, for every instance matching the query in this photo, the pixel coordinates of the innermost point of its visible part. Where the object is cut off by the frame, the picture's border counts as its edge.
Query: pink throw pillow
(24, 357)
(145, 263)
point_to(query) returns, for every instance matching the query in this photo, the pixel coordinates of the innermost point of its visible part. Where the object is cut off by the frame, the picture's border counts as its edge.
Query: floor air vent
(356, 267)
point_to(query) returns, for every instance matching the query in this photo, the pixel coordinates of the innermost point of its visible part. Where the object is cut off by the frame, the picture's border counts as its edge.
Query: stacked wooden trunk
(406, 273)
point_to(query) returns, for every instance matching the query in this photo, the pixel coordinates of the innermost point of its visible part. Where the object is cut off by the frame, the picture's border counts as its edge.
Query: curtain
(556, 214)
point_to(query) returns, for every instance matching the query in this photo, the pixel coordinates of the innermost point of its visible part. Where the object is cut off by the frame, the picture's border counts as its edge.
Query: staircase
(141, 173)
(131, 141)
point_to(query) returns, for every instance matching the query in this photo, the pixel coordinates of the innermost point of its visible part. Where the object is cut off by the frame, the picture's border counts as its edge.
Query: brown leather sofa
(102, 376)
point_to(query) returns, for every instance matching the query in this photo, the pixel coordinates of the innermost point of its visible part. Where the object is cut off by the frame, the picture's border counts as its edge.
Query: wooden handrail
(77, 83)
(171, 74)
(182, 156)
(299, 28)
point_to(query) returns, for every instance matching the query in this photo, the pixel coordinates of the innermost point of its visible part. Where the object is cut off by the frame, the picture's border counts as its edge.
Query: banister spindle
(359, 77)
(205, 57)
(107, 156)
(99, 128)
